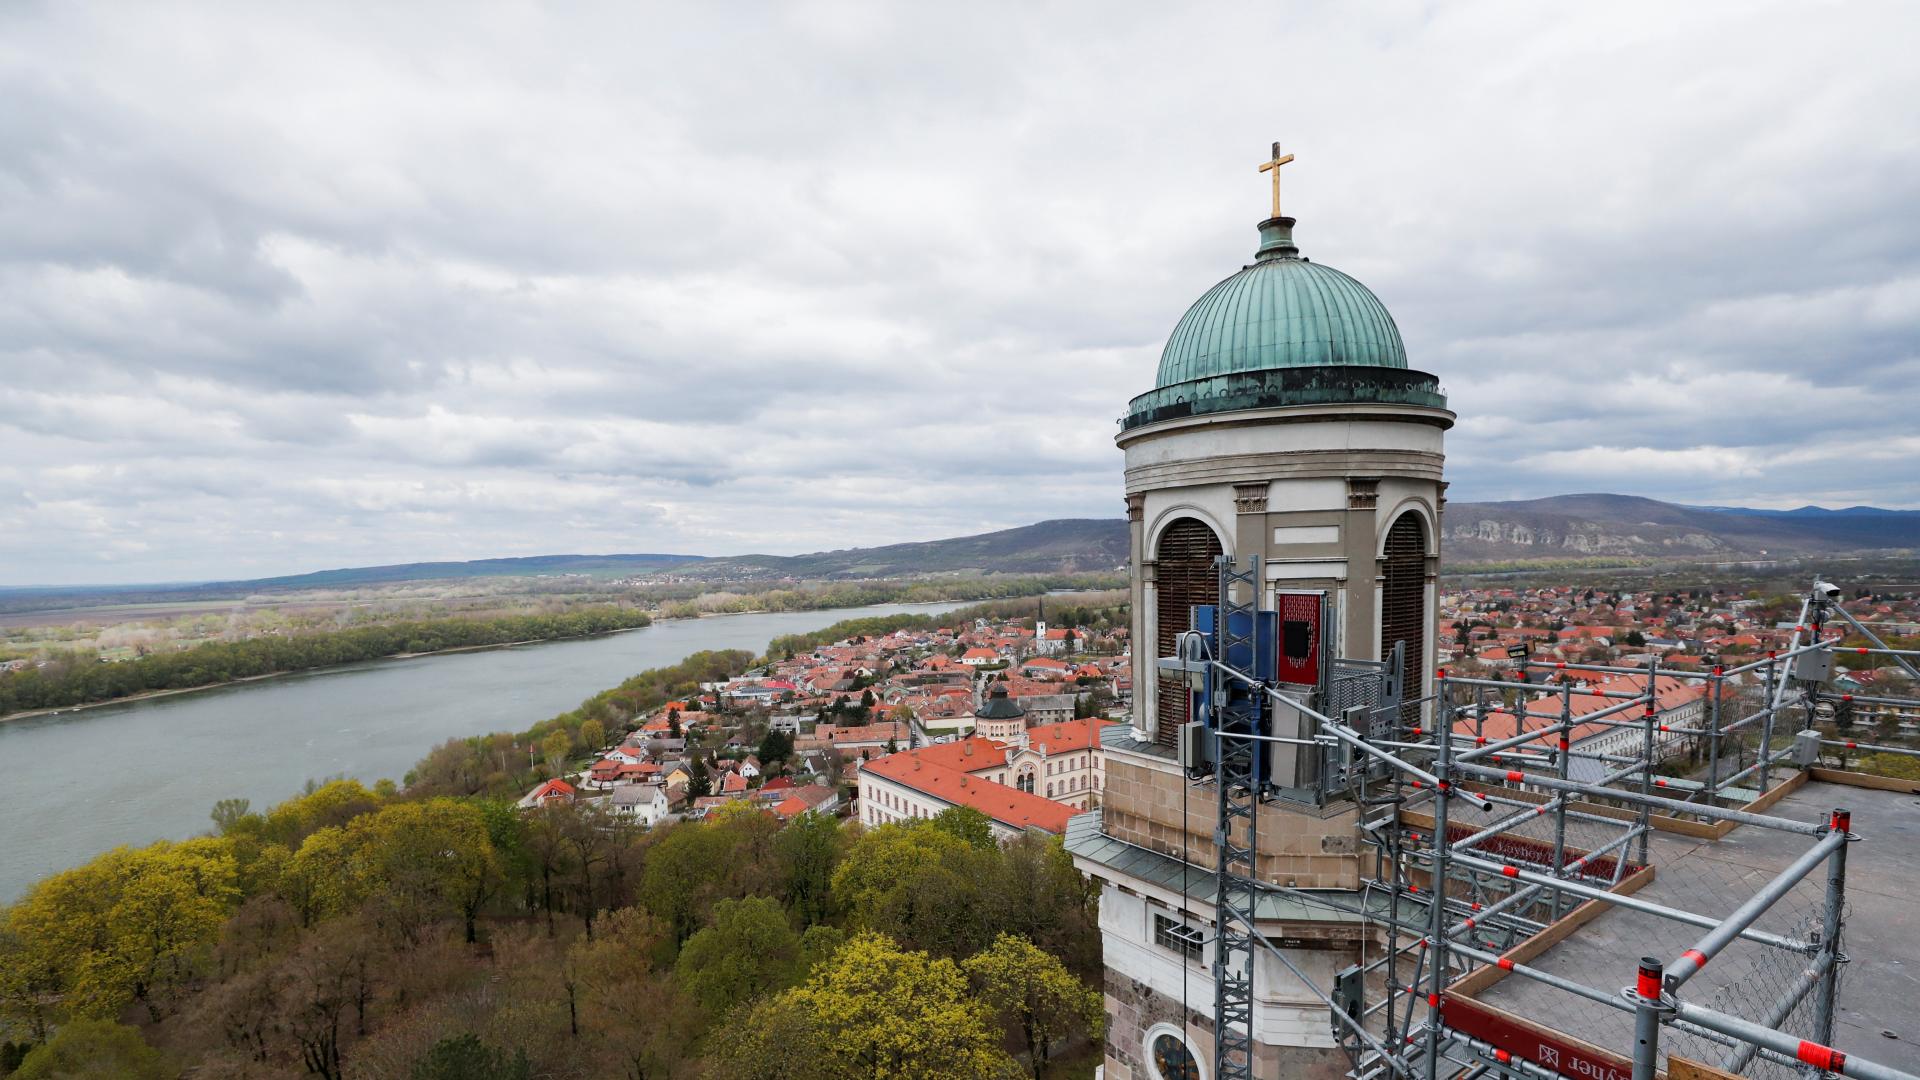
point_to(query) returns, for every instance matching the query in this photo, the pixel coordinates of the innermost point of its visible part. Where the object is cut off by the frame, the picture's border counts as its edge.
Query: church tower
(1284, 421)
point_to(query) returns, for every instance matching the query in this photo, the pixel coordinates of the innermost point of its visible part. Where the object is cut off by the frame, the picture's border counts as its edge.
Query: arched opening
(1403, 605)
(1184, 576)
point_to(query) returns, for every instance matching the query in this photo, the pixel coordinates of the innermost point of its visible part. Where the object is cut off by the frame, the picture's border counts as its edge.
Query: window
(1170, 1056)
(1171, 934)
(1049, 790)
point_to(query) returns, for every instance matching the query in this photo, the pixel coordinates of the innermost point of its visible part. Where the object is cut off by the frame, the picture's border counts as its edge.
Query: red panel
(1546, 1048)
(1289, 667)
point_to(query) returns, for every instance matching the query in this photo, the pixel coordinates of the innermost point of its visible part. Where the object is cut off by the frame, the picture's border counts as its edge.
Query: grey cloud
(287, 288)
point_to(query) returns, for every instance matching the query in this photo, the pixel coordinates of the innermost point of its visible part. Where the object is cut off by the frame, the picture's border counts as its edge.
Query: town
(1006, 716)
(1003, 717)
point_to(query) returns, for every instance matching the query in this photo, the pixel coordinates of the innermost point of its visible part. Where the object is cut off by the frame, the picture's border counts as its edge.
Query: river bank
(145, 695)
(154, 767)
(654, 619)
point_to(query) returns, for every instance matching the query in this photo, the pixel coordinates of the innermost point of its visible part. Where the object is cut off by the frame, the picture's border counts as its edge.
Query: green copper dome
(1282, 312)
(1283, 331)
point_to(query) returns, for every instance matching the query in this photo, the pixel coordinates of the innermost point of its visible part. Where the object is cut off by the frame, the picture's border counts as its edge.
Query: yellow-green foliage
(415, 861)
(879, 1011)
(124, 927)
(1031, 991)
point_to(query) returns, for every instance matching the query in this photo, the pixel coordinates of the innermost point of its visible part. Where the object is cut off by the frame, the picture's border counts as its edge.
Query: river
(78, 783)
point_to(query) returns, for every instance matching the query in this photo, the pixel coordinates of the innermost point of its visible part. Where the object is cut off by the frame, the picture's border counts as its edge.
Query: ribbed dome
(1281, 312)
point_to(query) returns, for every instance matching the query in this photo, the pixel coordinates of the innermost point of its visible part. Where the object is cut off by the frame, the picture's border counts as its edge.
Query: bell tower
(1284, 422)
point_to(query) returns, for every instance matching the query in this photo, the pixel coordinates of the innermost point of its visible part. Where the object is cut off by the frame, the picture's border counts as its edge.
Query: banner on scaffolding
(1545, 1047)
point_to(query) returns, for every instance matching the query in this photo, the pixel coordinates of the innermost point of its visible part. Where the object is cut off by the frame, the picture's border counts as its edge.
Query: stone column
(1138, 592)
(1250, 535)
(1360, 540)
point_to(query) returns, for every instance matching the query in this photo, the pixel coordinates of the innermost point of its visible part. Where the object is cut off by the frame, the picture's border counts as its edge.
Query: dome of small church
(1283, 311)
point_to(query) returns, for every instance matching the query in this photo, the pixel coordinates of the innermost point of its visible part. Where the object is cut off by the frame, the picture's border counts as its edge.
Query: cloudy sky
(285, 287)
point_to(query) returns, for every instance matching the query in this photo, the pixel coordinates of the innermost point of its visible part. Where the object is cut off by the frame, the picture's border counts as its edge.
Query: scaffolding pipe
(1327, 1000)
(1820, 1056)
(1528, 736)
(1437, 880)
(1851, 745)
(1627, 901)
(1735, 924)
(1831, 926)
(1899, 655)
(1743, 1052)
(1716, 813)
(1647, 1011)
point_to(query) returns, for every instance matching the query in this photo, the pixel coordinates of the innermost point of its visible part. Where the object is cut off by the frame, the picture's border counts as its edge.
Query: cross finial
(1273, 167)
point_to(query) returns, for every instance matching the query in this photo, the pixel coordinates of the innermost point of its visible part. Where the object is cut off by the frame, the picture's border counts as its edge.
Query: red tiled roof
(940, 771)
(1669, 694)
(1066, 736)
(804, 799)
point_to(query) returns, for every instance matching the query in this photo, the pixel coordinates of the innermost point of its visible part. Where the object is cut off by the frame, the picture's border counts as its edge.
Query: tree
(673, 724)
(554, 749)
(1034, 995)
(966, 823)
(776, 746)
(125, 927)
(748, 949)
(875, 1010)
(410, 863)
(593, 735)
(923, 887)
(775, 1040)
(94, 1050)
(699, 779)
(644, 1022)
(682, 876)
(465, 1057)
(228, 815)
(809, 848)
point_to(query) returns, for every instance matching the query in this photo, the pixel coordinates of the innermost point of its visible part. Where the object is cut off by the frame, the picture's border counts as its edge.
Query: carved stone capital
(1136, 507)
(1441, 506)
(1250, 498)
(1363, 492)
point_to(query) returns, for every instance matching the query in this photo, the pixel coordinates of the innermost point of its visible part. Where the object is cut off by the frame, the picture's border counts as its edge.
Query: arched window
(1403, 604)
(1170, 1056)
(1184, 576)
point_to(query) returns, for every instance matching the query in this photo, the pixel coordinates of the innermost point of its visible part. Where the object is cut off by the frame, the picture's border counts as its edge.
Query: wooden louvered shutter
(1184, 576)
(1403, 605)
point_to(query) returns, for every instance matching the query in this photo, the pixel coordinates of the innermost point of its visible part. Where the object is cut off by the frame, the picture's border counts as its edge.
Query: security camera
(1827, 589)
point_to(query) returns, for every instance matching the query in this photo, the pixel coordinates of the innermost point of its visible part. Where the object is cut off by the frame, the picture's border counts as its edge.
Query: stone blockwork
(1160, 811)
(1133, 1007)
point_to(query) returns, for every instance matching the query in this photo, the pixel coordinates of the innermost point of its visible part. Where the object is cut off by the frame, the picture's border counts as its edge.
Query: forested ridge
(82, 680)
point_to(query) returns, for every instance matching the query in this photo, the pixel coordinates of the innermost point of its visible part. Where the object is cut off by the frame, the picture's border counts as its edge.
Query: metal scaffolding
(1487, 851)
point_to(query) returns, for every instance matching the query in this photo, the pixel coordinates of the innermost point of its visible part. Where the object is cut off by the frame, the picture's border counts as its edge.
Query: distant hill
(526, 566)
(1581, 526)
(1060, 546)
(1556, 528)
(1063, 546)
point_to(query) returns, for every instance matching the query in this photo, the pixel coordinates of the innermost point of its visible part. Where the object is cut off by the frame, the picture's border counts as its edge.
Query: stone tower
(1284, 421)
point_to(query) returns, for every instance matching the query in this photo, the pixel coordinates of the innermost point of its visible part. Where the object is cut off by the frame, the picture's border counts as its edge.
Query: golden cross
(1274, 168)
